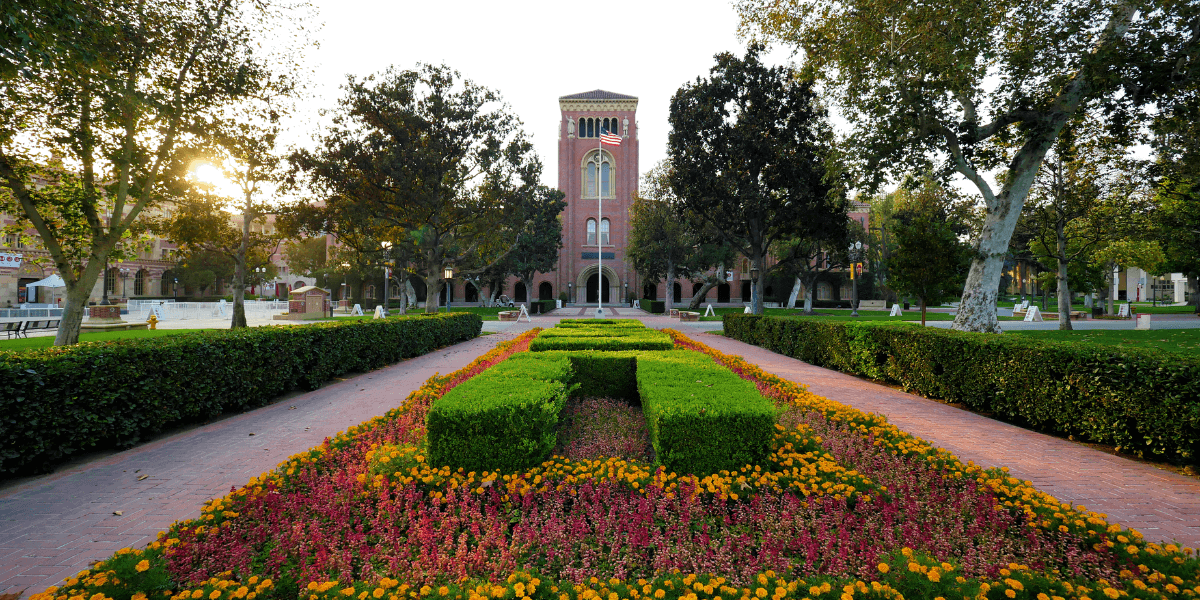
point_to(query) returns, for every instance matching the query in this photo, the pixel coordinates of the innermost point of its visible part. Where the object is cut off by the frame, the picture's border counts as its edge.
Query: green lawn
(1182, 341)
(487, 313)
(1186, 309)
(843, 314)
(36, 343)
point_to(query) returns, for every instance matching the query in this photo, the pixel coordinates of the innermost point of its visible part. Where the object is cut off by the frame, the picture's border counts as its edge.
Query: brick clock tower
(590, 178)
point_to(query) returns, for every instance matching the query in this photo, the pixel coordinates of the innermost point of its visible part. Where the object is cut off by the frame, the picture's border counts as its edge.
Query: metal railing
(200, 310)
(30, 313)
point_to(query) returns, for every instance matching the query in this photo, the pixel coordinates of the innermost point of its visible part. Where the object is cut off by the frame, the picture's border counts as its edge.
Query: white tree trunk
(808, 301)
(795, 292)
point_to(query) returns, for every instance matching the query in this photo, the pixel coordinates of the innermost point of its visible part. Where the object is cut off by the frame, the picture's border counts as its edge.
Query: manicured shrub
(1142, 401)
(61, 401)
(702, 417)
(592, 323)
(504, 419)
(654, 307)
(601, 337)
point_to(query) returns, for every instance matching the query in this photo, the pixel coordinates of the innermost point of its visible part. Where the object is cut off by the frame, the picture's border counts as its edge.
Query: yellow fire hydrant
(153, 321)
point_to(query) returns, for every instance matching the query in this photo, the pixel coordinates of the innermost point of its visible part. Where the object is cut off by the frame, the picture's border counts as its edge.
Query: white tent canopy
(53, 281)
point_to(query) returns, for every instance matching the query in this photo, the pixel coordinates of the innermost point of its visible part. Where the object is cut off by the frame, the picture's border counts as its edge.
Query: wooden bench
(872, 304)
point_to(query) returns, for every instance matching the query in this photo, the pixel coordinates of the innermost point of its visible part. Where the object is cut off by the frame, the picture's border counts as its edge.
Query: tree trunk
(795, 292)
(698, 297)
(977, 311)
(1112, 285)
(922, 312)
(72, 317)
(808, 300)
(1064, 290)
(670, 286)
(756, 286)
(1193, 283)
(432, 288)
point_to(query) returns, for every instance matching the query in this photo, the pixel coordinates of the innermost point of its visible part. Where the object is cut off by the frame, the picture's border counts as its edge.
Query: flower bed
(846, 506)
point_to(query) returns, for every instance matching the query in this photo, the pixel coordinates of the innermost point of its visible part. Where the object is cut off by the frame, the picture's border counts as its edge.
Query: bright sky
(532, 53)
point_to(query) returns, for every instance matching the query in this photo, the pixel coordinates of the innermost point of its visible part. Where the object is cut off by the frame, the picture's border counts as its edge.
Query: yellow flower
(143, 566)
(442, 591)
(884, 568)
(1010, 593)
(214, 595)
(1111, 593)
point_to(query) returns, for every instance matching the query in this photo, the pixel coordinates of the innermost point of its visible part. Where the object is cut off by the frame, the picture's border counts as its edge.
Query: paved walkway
(51, 527)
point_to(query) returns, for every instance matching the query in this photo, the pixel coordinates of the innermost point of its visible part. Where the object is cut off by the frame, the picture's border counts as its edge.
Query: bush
(603, 337)
(1140, 400)
(548, 305)
(654, 307)
(702, 417)
(504, 419)
(593, 323)
(61, 401)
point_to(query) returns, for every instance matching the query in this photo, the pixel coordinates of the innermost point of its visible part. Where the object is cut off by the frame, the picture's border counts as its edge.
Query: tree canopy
(749, 146)
(112, 89)
(427, 161)
(953, 79)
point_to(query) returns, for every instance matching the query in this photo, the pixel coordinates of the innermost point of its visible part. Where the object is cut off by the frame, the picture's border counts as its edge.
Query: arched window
(371, 291)
(591, 232)
(110, 280)
(139, 283)
(591, 128)
(582, 127)
(604, 232)
(824, 291)
(607, 174)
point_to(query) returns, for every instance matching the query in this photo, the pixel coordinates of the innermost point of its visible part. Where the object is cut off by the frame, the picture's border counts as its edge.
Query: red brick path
(53, 526)
(1162, 505)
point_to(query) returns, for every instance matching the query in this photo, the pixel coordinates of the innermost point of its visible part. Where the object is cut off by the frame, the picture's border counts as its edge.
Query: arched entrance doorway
(723, 292)
(470, 294)
(519, 293)
(677, 296)
(650, 292)
(545, 291)
(591, 289)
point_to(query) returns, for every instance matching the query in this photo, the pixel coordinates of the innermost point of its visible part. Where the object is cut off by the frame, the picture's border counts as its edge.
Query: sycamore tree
(1084, 195)
(428, 162)
(666, 241)
(809, 257)
(1177, 187)
(750, 146)
(965, 81)
(113, 87)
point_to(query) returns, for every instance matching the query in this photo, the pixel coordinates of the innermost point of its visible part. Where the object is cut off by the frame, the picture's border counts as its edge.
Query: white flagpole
(599, 226)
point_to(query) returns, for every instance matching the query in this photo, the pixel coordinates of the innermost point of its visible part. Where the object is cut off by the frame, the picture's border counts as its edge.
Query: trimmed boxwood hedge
(654, 307)
(702, 417)
(1142, 401)
(505, 418)
(61, 401)
(601, 337)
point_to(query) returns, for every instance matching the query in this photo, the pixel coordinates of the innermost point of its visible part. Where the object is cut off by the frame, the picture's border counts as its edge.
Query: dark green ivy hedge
(57, 402)
(1142, 401)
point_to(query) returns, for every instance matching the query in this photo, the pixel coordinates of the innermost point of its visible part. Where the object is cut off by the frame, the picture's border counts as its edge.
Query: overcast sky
(532, 53)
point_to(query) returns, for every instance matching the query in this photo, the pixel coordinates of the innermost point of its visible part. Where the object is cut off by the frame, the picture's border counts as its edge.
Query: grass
(487, 313)
(1186, 309)
(37, 343)
(1180, 341)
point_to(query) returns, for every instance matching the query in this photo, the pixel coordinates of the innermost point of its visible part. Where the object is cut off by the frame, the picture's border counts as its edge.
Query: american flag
(611, 139)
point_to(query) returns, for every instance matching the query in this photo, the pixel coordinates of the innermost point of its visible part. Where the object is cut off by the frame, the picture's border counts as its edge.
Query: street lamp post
(627, 300)
(571, 292)
(448, 275)
(124, 286)
(855, 256)
(387, 275)
(175, 290)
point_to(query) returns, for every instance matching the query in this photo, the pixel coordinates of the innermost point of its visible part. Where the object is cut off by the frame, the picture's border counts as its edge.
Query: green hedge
(602, 374)
(504, 419)
(594, 323)
(1144, 401)
(62, 401)
(611, 339)
(702, 417)
(654, 307)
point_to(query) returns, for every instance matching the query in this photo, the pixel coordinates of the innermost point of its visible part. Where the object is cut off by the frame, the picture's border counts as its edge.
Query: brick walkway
(1162, 505)
(51, 527)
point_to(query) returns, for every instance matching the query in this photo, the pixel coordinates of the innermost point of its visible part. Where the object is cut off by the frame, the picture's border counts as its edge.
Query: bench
(508, 315)
(1076, 315)
(872, 304)
(23, 328)
(687, 315)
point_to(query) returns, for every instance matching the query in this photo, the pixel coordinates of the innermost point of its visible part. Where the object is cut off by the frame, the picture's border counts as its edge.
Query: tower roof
(597, 95)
